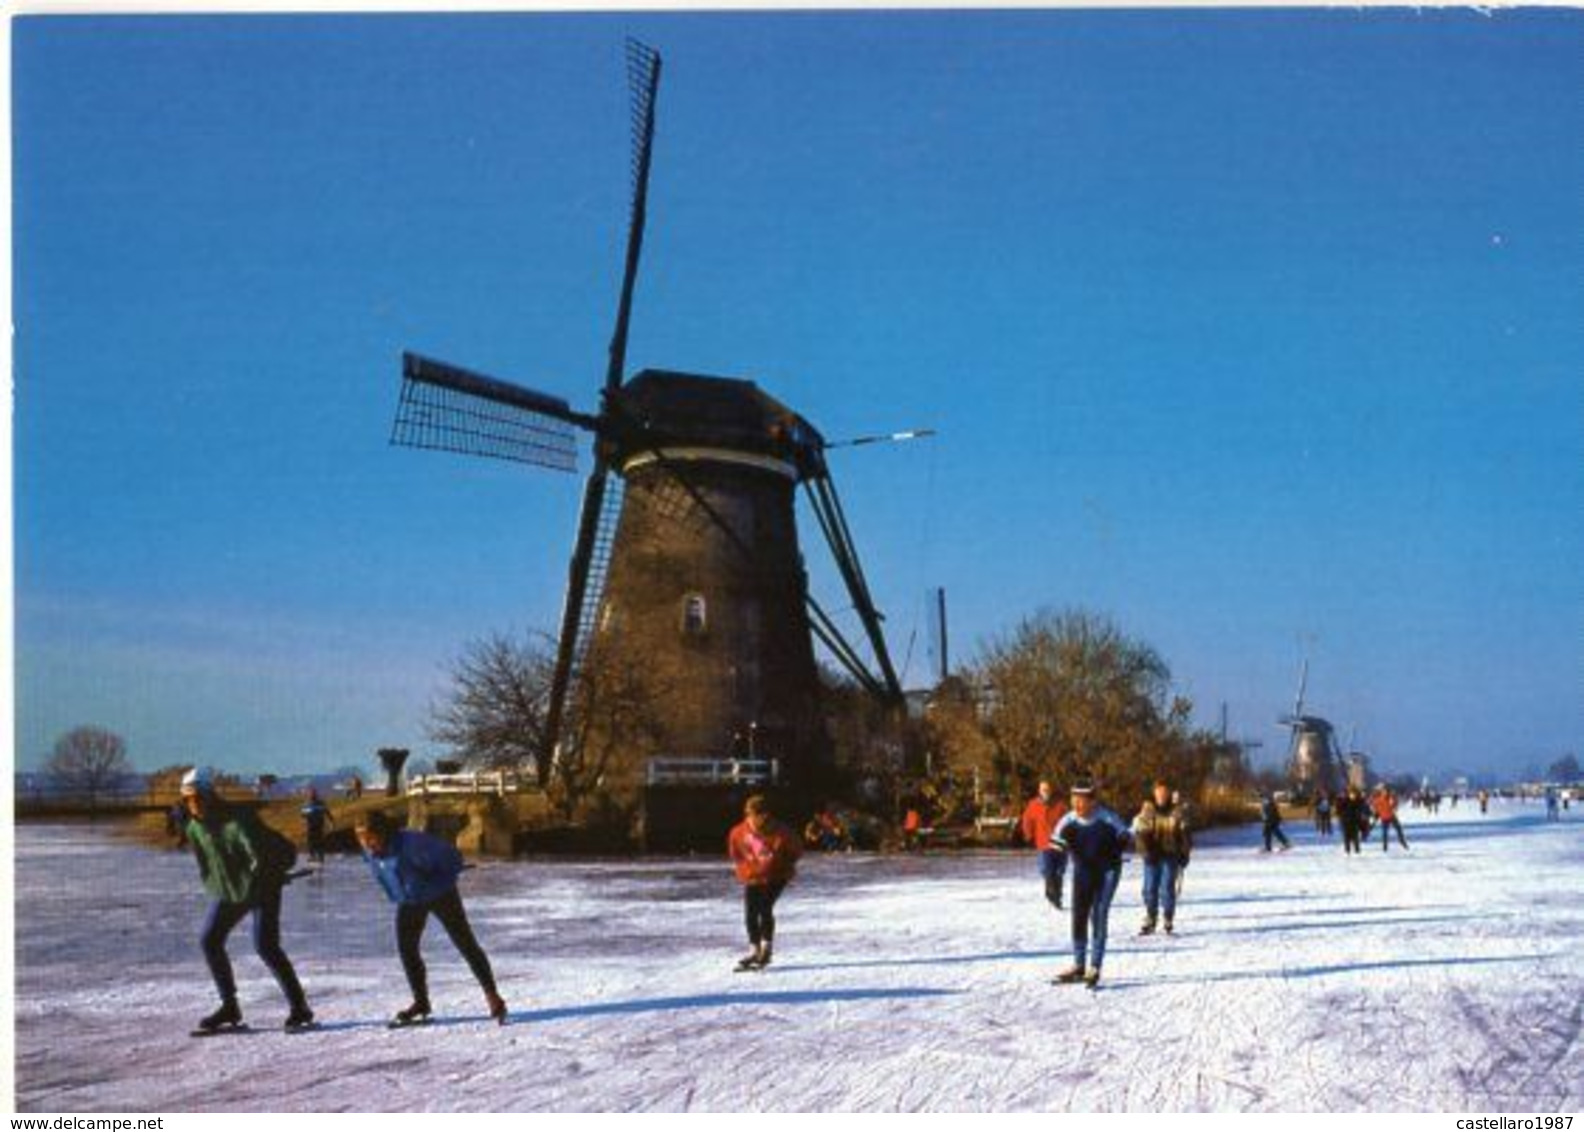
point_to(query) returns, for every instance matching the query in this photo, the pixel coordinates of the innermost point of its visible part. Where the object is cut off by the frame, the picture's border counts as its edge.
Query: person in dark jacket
(244, 868)
(315, 815)
(419, 873)
(1270, 818)
(176, 824)
(1161, 836)
(1093, 839)
(1353, 816)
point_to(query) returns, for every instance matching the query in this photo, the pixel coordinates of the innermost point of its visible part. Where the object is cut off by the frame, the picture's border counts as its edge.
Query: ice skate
(497, 1007)
(227, 1019)
(415, 1015)
(1073, 974)
(300, 1019)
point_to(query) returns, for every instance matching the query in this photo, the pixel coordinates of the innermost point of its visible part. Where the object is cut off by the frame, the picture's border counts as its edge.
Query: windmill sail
(599, 566)
(455, 410)
(643, 76)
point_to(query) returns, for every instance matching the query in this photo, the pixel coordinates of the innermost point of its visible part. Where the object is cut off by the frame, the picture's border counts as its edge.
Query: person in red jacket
(764, 854)
(1385, 806)
(1039, 822)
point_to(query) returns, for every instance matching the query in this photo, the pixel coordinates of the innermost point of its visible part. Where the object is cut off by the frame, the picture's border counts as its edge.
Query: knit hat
(1083, 787)
(198, 780)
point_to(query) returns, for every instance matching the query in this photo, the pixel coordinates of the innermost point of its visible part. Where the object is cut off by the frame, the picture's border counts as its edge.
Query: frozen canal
(1448, 978)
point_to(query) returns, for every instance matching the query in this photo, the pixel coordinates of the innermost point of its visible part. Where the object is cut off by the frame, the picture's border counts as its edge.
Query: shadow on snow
(750, 998)
(1316, 972)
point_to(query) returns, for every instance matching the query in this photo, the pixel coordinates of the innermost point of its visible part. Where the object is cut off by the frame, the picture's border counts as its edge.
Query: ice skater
(1353, 816)
(1384, 804)
(315, 814)
(1163, 839)
(764, 853)
(243, 864)
(1040, 816)
(1551, 804)
(419, 873)
(1093, 839)
(1322, 814)
(1270, 817)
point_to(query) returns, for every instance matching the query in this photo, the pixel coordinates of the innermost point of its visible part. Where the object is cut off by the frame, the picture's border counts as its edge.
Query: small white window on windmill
(695, 616)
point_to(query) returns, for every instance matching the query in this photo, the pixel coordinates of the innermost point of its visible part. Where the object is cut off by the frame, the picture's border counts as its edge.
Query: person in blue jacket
(419, 873)
(315, 815)
(1093, 839)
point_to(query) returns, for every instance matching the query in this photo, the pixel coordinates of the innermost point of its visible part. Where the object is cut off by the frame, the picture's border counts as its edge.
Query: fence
(498, 782)
(674, 771)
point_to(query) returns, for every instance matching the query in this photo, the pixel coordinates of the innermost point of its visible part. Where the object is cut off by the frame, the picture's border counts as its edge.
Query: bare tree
(493, 716)
(86, 761)
(1068, 695)
(612, 729)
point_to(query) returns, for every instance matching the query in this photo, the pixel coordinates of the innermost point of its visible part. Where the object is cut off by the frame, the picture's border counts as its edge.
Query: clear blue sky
(1259, 331)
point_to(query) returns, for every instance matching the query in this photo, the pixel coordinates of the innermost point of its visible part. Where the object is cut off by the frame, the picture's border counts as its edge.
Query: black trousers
(410, 922)
(265, 910)
(759, 910)
(1352, 836)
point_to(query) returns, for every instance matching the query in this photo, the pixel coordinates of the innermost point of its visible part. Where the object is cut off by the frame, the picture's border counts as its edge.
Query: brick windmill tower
(687, 562)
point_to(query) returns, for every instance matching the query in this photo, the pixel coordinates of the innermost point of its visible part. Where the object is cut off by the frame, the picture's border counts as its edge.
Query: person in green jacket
(243, 866)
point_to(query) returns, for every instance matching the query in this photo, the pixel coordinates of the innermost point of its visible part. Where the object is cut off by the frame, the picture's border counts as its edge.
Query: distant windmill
(686, 560)
(1313, 761)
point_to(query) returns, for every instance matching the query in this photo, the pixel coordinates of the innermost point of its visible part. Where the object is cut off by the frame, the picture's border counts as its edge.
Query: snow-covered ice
(1450, 977)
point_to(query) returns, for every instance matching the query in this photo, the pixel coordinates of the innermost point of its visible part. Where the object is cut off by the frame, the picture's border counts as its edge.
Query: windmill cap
(198, 780)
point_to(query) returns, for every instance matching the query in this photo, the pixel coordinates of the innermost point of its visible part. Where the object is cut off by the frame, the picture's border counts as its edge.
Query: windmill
(686, 556)
(1313, 761)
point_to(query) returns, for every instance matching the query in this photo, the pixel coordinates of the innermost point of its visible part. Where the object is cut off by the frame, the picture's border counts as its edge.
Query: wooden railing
(499, 782)
(683, 771)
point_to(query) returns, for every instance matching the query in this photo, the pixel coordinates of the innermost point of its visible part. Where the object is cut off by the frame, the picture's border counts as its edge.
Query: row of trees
(1064, 694)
